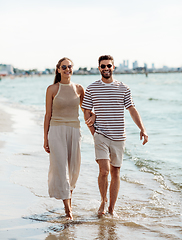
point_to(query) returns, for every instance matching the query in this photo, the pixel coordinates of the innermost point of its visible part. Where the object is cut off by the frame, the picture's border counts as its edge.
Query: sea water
(149, 203)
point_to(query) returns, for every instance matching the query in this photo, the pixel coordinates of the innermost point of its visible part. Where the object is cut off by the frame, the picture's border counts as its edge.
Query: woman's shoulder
(53, 87)
(79, 88)
(78, 85)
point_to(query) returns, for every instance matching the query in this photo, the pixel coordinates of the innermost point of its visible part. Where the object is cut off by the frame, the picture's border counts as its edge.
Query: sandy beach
(14, 199)
(5, 124)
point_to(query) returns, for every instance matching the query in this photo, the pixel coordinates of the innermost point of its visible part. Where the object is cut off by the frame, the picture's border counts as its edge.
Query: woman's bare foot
(69, 215)
(112, 212)
(68, 209)
(102, 208)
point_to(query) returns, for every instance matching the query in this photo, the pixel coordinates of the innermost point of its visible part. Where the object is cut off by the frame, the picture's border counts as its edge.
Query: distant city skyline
(36, 33)
(129, 65)
(123, 65)
(6, 70)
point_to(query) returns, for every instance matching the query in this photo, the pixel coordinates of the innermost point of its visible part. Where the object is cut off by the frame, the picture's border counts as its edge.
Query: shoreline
(15, 200)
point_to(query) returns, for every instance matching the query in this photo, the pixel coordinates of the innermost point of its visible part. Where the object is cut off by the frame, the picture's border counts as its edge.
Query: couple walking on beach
(108, 98)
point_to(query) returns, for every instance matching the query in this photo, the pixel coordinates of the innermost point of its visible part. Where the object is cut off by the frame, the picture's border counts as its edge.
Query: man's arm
(87, 114)
(138, 121)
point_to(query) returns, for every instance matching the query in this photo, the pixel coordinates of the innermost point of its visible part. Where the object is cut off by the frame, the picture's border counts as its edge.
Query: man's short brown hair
(106, 57)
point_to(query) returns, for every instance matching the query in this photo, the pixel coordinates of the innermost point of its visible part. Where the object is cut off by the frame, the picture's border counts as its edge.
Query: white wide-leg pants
(65, 160)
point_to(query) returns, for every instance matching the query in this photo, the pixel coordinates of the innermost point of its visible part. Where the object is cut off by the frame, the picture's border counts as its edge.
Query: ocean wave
(147, 165)
(166, 100)
(159, 175)
(129, 180)
(178, 185)
(153, 99)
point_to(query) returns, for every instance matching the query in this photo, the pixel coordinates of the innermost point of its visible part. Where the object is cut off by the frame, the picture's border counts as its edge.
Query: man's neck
(107, 80)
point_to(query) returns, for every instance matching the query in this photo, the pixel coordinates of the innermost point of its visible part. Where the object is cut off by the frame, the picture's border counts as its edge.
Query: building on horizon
(165, 68)
(125, 64)
(135, 64)
(145, 66)
(6, 69)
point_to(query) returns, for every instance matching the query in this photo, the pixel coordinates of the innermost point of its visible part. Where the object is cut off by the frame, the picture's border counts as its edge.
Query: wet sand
(5, 124)
(14, 199)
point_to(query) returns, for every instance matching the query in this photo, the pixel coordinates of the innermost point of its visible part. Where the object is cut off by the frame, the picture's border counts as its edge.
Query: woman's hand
(46, 146)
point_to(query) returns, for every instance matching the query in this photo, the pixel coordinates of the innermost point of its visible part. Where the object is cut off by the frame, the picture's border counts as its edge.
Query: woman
(62, 133)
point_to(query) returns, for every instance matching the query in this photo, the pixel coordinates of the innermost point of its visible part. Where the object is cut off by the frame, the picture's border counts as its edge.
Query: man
(109, 97)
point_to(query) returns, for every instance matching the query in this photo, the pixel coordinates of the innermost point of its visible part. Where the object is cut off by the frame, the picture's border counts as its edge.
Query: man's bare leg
(68, 209)
(104, 166)
(114, 187)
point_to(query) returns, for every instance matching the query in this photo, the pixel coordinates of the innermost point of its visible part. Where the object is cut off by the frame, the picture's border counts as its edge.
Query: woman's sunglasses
(103, 66)
(64, 67)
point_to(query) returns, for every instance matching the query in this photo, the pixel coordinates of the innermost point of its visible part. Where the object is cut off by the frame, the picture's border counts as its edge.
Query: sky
(37, 33)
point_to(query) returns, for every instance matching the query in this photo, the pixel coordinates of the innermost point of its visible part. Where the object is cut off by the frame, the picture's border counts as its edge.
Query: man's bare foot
(102, 209)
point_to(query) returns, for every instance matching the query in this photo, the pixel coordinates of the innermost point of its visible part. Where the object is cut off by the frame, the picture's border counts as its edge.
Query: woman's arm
(47, 118)
(91, 119)
(87, 114)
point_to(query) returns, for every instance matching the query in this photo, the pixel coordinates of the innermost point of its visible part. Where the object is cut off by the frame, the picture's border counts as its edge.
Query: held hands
(144, 134)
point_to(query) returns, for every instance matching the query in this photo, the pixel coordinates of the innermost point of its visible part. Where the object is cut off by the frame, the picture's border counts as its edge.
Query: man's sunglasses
(64, 67)
(103, 66)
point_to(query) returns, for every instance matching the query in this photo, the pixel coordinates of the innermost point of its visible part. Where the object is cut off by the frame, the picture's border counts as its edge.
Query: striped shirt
(108, 102)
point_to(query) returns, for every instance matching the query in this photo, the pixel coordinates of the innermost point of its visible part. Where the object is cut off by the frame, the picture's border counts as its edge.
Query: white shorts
(106, 148)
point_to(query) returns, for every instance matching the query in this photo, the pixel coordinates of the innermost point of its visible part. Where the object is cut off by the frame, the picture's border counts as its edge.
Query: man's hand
(90, 121)
(137, 119)
(144, 134)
